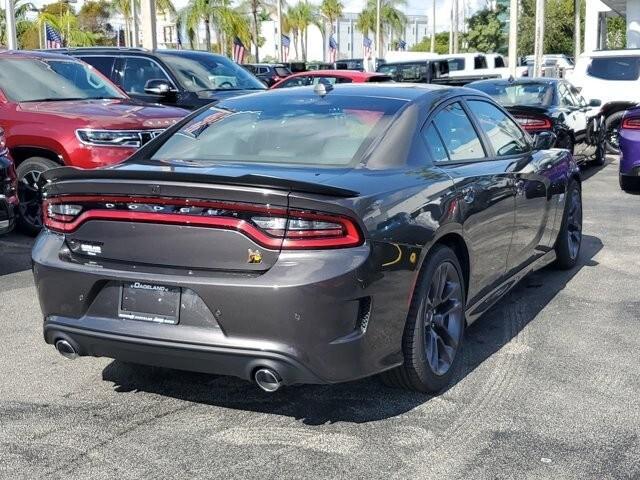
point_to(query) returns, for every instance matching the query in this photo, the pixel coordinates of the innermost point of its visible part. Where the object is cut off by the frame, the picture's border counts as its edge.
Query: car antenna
(322, 88)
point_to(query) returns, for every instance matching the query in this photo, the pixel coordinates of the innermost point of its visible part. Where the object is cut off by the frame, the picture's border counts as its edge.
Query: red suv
(56, 110)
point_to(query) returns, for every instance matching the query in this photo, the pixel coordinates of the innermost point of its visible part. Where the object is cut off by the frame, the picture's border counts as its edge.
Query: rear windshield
(615, 68)
(293, 130)
(534, 94)
(282, 71)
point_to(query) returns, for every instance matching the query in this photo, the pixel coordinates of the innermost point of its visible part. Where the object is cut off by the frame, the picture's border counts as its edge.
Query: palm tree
(20, 8)
(255, 8)
(330, 12)
(299, 18)
(123, 7)
(390, 17)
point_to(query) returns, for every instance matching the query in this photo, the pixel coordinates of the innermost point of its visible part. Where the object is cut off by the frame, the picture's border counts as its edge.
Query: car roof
(33, 54)
(518, 81)
(134, 51)
(337, 73)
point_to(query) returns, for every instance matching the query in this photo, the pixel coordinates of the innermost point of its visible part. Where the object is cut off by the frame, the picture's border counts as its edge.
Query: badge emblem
(254, 256)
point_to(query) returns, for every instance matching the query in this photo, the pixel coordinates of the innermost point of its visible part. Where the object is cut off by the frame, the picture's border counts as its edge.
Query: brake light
(631, 123)
(534, 124)
(270, 227)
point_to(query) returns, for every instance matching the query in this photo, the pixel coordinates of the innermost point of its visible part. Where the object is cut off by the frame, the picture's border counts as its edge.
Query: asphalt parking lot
(549, 387)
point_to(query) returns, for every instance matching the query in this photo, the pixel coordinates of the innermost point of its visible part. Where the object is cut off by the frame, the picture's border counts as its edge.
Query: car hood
(123, 113)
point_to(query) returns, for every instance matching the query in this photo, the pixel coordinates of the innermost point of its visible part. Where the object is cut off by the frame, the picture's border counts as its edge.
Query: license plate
(149, 303)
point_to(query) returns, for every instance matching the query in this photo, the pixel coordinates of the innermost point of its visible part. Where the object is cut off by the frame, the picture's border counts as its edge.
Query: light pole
(576, 33)
(513, 37)
(433, 30)
(378, 42)
(134, 16)
(538, 49)
(10, 13)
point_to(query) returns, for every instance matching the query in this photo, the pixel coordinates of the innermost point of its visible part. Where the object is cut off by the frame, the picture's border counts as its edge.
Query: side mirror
(595, 102)
(158, 87)
(544, 141)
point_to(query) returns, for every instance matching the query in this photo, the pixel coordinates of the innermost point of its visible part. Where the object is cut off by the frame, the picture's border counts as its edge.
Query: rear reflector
(270, 227)
(534, 124)
(631, 123)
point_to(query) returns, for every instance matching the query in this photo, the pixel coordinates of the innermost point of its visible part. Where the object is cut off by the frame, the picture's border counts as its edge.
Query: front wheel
(435, 325)
(569, 238)
(30, 184)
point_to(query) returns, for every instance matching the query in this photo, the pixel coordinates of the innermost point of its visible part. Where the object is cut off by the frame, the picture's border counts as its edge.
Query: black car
(269, 73)
(419, 71)
(306, 235)
(350, 64)
(552, 105)
(8, 190)
(183, 78)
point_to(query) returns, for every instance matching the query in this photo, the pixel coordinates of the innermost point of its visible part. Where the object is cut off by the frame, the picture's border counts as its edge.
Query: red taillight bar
(631, 123)
(349, 235)
(534, 124)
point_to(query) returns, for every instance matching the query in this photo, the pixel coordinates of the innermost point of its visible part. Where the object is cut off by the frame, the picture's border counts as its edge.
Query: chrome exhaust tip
(66, 349)
(267, 379)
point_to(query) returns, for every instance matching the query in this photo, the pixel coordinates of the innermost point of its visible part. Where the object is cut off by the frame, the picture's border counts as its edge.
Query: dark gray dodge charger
(306, 235)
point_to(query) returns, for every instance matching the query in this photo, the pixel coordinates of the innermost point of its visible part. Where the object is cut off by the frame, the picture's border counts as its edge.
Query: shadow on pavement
(15, 253)
(365, 400)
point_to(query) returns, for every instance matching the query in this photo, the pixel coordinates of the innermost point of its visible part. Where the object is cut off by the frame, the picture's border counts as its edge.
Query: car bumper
(7, 213)
(629, 152)
(324, 317)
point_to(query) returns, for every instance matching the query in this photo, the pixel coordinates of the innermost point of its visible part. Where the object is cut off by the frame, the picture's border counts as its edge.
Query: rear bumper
(630, 152)
(304, 317)
(7, 213)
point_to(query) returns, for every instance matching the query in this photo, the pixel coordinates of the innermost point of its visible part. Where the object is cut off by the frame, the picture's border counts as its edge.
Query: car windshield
(32, 80)
(513, 94)
(277, 129)
(210, 72)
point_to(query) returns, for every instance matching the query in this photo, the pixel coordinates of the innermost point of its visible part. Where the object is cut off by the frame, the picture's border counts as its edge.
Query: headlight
(116, 138)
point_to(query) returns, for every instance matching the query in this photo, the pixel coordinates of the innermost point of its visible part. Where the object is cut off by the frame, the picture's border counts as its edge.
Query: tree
(330, 11)
(442, 44)
(558, 26)
(486, 32)
(93, 17)
(299, 17)
(616, 32)
(391, 19)
(255, 9)
(21, 8)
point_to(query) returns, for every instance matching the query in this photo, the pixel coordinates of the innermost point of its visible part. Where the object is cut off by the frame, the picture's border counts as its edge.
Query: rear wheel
(611, 127)
(600, 155)
(30, 192)
(435, 325)
(629, 184)
(569, 238)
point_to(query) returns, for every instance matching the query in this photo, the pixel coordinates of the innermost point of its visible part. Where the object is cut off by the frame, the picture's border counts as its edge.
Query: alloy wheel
(30, 196)
(612, 136)
(443, 318)
(574, 223)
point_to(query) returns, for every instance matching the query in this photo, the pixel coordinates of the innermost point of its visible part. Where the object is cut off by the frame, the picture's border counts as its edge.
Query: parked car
(8, 188)
(552, 105)
(630, 150)
(319, 66)
(56, 110)
(465, 68)
(613, 77)
(350, 64)
(181, 78)
(331, 77)
(295, 67)
(267, 72)
(309, 235)
(416, 71)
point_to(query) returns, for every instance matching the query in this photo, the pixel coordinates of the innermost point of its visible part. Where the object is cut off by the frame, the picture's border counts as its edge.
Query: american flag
(402, 45)
(53, 38)
(286, 43)
(238, 50)
(333, 50)
(366, 43)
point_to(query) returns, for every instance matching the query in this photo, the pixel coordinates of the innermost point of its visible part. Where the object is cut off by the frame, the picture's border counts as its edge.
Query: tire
(432, 321)
(601, 155)
(628, 184)
(565, 141)
(29, 193)
(569, 239)
(611, 127)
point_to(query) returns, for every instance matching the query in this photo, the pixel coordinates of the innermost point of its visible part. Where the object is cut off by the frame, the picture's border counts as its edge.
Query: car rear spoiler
(64, 174)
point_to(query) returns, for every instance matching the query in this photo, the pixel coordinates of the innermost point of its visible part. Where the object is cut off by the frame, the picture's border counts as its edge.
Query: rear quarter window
(615, 68)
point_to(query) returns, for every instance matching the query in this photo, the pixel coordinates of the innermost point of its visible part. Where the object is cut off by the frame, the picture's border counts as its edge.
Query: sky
(414, 7)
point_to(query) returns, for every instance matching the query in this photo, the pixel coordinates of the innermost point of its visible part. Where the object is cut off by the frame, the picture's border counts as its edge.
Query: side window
(458, 135)
(103, 64)
(343, 80)
(295, 82)
(138, 71)
(566, 99)
(576, 94)
(434, 144)
(498, 62)
(615, 68)
(505, 136)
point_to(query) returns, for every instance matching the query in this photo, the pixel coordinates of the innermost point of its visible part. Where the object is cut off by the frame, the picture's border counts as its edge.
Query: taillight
(271, 227)
(534, 124)
(631, 123)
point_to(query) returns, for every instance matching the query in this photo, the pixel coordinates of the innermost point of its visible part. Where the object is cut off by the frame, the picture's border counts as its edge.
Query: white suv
(612, 76)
